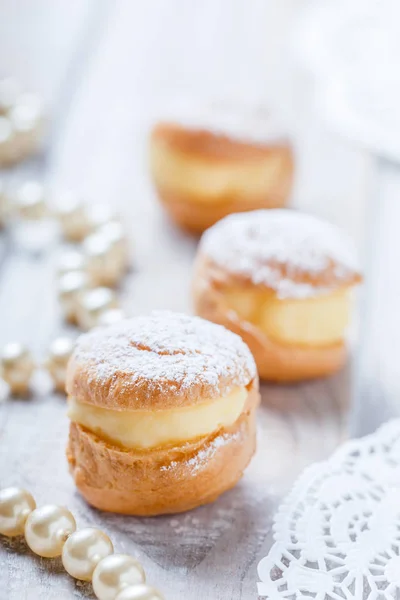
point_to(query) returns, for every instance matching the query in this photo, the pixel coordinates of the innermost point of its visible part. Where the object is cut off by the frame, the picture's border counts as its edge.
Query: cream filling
(208, 181)
(319, 321)
(148, 429)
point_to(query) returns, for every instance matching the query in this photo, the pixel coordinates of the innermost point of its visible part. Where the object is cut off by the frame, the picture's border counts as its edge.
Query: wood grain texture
(125, 61)
(376, 392)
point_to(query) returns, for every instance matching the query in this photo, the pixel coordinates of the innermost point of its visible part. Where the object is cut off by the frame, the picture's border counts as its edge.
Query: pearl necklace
(21, 123)
(87, 554)
(86, 275)
(87, 299)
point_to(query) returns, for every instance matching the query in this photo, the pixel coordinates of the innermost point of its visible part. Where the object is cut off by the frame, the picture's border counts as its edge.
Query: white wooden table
(101, 66)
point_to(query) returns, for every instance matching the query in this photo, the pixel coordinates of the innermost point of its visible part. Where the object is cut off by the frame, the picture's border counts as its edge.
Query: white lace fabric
(337, 534)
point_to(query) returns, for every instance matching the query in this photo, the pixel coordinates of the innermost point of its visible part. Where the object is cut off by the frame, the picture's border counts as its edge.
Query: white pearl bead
(10, 89)
(4, 205)
(139, 592)
(72, 215)
(70, 289)
(83, 550)
(16, 367)
(92, 304)
(15, 506)
(99, 215)
(70, 260)
(27, 119)
(47, 529)
(27, 111)
(103, 266)
(114, 233)
(30, 202)
(6, 131)
(56, 363)
(7, 146)
(114, 573)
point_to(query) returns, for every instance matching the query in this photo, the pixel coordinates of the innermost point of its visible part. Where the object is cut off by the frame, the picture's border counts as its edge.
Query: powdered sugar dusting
(203, 456)
(276, 248)
(169, 351)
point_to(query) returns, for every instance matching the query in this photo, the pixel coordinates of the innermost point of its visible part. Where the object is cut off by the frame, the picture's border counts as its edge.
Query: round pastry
(282, 281)
(162, 411)
(219, 162)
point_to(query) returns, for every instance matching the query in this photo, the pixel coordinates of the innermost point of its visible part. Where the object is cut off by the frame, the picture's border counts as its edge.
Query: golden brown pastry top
(209, 145)
(293, 254)
(164, 360)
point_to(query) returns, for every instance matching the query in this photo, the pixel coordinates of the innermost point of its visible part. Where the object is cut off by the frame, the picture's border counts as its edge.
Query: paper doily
(337, 534)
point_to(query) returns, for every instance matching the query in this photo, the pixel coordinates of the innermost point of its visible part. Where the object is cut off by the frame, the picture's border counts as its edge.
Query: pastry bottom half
(201, 177)
(165, 479)
(275, 361)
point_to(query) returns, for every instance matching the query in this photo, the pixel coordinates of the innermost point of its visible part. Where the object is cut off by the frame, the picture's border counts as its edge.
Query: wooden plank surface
(103, 69)
(377, 388)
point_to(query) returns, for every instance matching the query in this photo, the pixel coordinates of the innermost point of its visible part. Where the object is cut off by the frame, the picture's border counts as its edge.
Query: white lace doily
(337, 534)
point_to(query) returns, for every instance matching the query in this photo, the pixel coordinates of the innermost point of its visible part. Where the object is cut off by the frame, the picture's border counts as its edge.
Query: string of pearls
(17, 365)
(21, 123)
(86, 277)
(87, 274)
(87, 554)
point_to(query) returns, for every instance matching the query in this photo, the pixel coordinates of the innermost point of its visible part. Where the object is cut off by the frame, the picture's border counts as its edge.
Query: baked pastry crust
(166, 479)
(219, 269)
(162, 361)
(215, 151)
(275, 362)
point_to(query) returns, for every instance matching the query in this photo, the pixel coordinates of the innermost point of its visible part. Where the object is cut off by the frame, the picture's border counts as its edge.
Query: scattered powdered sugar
(244, 122)
(168, 350)
(202, 457)
(276, 248)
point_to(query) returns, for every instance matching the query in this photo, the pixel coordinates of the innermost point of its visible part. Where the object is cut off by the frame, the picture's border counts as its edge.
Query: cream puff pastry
(282, 280)
(217, 164)
(162, 411)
